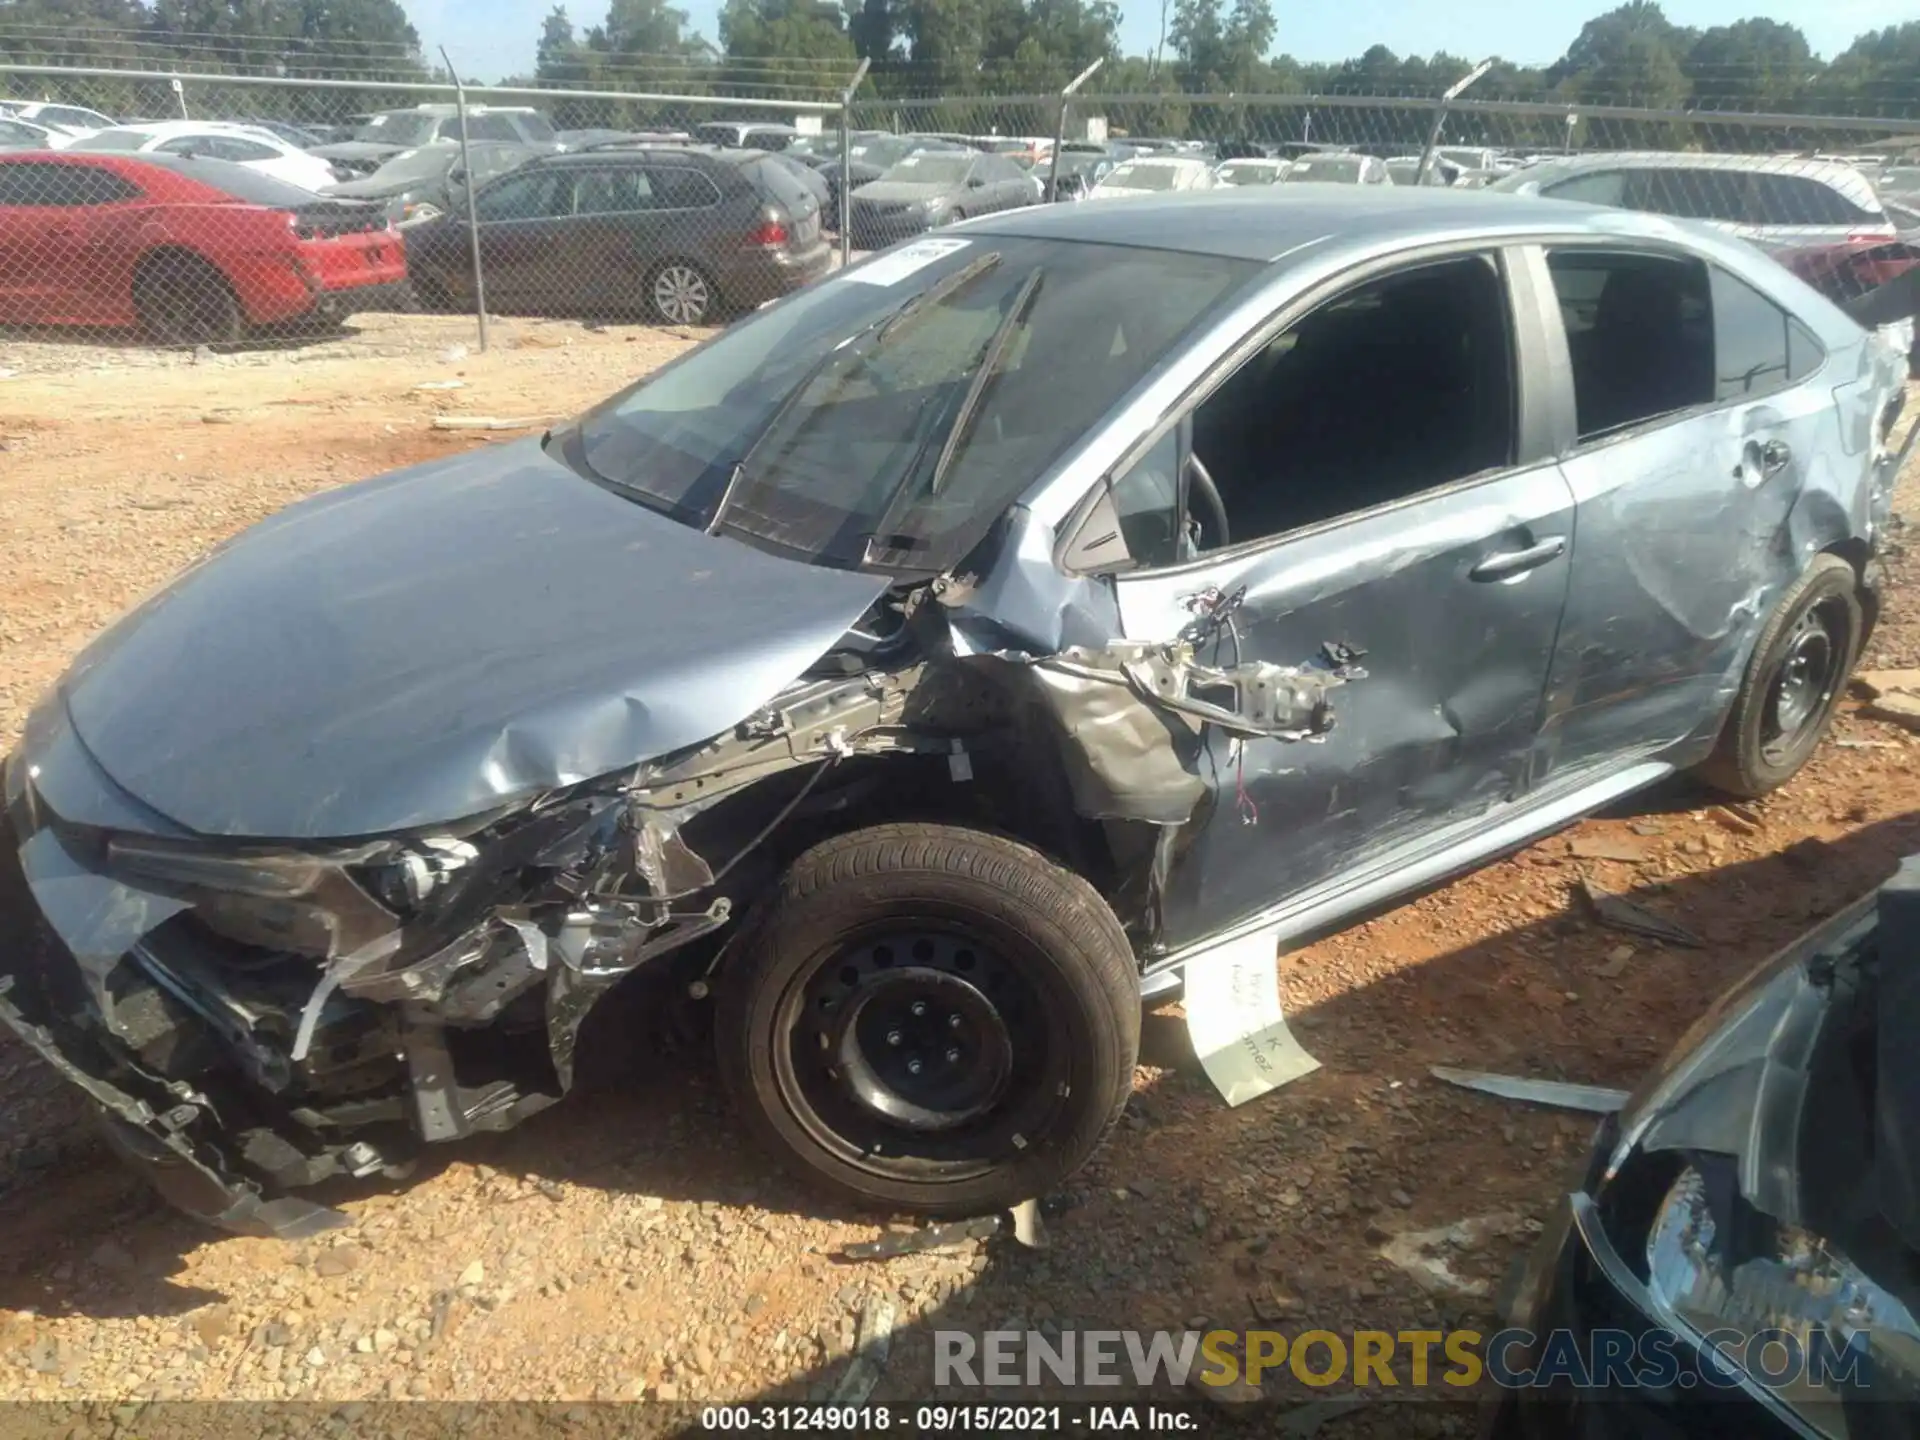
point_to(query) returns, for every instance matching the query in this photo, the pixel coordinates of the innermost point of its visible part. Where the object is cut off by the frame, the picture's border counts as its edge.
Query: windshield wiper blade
(982, 377)
(874, 333)
(953, 435)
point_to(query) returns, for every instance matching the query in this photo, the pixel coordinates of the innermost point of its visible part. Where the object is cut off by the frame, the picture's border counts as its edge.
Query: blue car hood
(438, 643)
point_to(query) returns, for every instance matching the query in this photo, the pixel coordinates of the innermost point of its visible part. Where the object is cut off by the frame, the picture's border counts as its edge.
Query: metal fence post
(1060, 127)
(846, 163)
(473, 208)
(1440, 118)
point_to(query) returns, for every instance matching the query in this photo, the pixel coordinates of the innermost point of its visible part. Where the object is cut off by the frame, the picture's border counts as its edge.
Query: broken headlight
(405, 879)
(272, 900)
(1778, 1304)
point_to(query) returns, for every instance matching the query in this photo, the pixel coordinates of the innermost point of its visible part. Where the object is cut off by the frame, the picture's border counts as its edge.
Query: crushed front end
(255, 1019)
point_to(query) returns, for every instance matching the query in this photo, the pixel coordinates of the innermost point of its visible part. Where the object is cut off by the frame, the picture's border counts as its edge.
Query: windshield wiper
(954, 434)
(983, 376)
(873, 334)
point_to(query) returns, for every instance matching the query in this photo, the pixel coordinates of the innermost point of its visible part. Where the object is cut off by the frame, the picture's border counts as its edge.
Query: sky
(489, 39)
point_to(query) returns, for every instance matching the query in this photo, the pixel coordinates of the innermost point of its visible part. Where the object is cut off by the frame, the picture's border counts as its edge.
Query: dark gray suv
(679, 232)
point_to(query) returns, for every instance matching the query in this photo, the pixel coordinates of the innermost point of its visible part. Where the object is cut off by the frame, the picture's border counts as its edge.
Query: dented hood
(437, 643)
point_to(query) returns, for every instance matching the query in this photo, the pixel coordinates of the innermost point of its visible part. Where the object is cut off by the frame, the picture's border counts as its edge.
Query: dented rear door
(1450, 603)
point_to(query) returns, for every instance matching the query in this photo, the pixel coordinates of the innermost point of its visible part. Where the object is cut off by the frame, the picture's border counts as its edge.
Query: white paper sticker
(907, 260)
(1235, 1022)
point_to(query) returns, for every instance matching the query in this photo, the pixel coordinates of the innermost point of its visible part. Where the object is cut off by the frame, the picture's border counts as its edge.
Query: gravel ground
(629, 1242)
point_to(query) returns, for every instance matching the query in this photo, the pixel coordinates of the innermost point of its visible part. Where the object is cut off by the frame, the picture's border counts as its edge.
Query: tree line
(1631, 55)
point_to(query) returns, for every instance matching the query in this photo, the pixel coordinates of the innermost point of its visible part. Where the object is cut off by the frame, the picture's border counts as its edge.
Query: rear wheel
(931, 1018)
(679, 292)
(1793, 682)
(432, 292)
(184, 300)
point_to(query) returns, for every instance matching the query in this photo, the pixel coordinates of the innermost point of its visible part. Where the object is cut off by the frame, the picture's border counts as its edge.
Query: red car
(194, 251)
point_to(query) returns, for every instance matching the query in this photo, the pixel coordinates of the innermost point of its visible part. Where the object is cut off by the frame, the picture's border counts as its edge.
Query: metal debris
(925, 1240)
(1560, 1094)
(1622, 914)
(1607, 847)
(487, 422)
(1422, 1253)
(1027, 1228)
(872, 1346)
(1303, 1422)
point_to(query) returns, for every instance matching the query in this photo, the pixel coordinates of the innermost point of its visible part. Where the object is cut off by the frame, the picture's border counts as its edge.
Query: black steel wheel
(184, 300)
(931, 1018)
(1795, 679)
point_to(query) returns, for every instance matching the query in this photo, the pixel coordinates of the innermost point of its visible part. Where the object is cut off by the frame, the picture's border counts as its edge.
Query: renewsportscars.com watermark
(1411, 1359)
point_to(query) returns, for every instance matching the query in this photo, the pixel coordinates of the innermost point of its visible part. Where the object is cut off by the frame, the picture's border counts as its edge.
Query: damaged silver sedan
(929, 667)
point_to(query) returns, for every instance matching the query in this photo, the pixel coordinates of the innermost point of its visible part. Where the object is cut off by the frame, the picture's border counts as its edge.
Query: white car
(1251, 171)
(18, 134)
(1154, 175)
(70, 120)
(246, 145)
(1339, 167)
(1777, 203)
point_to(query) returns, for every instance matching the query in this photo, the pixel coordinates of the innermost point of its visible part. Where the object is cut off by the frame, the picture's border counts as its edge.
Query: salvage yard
(631, 1242)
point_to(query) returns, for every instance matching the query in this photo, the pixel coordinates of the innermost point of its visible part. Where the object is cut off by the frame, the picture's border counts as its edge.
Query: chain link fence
(227, 209)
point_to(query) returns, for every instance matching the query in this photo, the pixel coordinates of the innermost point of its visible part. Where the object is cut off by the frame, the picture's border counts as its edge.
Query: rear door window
(1639, 333)
(1758, 347)
(615, 191)
(1798, 200)
(678, 187)
(1690, 193)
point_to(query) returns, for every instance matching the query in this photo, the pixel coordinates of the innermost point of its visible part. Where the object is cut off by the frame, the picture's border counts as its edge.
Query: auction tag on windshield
(1235, 1023)
(907, 260)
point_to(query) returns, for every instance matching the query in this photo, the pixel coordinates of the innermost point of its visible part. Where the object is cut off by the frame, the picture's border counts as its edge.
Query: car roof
(653, 151)
(1844, 178)
(1267, 224)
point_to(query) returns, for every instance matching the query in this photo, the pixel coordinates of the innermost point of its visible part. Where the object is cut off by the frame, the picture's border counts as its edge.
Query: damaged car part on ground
(1760, 1188)
(931, 665)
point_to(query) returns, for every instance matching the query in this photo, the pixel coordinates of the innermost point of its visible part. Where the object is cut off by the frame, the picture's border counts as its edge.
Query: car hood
(438, 643)
(371, 189)
(359, 150)
(900, 192)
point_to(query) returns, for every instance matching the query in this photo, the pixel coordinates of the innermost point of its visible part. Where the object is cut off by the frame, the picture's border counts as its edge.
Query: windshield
(1339, 172)
(1254, 174)
(885, 153)
(930, 169)
(406, 128)
(841, 406)
(1145, 177)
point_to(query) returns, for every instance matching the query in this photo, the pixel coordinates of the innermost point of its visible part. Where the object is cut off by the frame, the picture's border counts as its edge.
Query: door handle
(1509, 563)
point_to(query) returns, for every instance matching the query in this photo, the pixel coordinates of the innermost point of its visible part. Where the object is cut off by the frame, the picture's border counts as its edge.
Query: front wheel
(1793, 682)
(930, 1018)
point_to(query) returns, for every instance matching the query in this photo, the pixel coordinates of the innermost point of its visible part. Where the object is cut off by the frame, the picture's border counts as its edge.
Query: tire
(184, 300)
(432, 293)
(680, 292)
(1014, 971)
(1793, 683)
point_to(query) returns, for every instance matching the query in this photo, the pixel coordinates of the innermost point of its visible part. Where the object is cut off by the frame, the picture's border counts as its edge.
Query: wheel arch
(177, 252)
